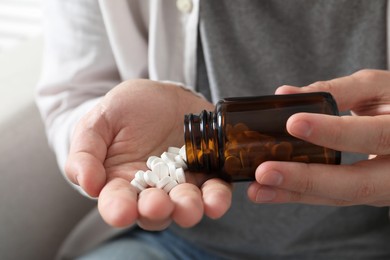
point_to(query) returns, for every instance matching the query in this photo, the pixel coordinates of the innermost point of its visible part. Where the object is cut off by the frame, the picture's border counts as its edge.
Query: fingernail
(265, 194)
(272, 178)
(301, 128)
(284, 89)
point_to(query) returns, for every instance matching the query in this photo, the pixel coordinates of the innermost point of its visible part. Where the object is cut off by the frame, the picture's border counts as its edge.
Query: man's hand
(135, 120)
(367, 94)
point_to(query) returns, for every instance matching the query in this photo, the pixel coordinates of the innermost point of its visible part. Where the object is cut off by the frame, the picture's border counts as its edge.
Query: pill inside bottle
(232, 141)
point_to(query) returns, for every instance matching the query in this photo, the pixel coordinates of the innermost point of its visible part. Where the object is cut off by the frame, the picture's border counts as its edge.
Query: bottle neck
(201, 141)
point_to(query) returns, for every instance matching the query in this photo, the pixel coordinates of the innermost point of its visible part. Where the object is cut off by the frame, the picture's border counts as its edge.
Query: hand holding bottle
(367, 94)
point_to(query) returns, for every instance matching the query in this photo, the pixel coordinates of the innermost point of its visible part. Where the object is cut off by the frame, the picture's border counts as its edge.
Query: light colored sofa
(37, 207)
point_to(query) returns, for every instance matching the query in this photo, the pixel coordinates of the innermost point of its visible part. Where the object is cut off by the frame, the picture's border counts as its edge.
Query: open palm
(135, 120)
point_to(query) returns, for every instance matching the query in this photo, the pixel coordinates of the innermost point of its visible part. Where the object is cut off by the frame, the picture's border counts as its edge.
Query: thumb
(87, 153)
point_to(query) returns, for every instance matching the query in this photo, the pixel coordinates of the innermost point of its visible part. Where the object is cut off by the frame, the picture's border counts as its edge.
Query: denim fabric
(143, 245)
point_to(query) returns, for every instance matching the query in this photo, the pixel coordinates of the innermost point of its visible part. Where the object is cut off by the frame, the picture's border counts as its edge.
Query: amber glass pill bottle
(244, 132)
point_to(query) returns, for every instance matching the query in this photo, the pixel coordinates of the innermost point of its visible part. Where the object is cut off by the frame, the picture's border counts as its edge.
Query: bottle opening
(201, 142)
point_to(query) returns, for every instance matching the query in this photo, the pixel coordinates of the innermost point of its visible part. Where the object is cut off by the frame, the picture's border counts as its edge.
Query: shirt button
(184, 6)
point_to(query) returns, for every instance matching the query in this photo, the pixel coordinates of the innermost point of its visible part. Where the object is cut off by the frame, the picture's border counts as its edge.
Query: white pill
(162, 182)
(139, 176)
(151, 178)
(176, 164)
(174, 150)
(183, 153)
(168, 157)
(170, 186)
(137, 185)
(150, 160)
(180, 176)
(172, 168)
(181, 162)
(161, 169)
(156, 161)
(164, 174)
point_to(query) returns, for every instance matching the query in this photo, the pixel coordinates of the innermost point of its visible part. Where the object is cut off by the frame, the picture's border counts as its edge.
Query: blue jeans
(143, 245)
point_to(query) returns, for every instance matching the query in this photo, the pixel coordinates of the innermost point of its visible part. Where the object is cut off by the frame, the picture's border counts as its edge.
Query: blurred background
(20, 50)
(37, 207)
(20, 21)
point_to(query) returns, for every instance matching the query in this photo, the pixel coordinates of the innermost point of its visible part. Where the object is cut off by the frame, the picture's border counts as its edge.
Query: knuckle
(336, 132)
(383, 141)
(295, 196)
(365, 191)
(304, 182)
(366, 75)
(326, 86)
(306, 185)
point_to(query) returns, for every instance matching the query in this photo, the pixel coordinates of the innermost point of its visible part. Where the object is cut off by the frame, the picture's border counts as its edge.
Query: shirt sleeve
(78, 68)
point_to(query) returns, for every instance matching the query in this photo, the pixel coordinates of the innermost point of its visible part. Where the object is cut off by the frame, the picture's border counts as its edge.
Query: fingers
(281, 182)
(188, 203)
(217, 197)
(155, 209)
(117, 203)
(350, 91)
(121, 206)
(264, 194)
(370, 135)
(308, 179)
(366, 93)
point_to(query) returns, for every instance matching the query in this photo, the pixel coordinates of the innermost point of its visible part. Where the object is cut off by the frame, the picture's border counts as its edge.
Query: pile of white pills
(165, 172)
